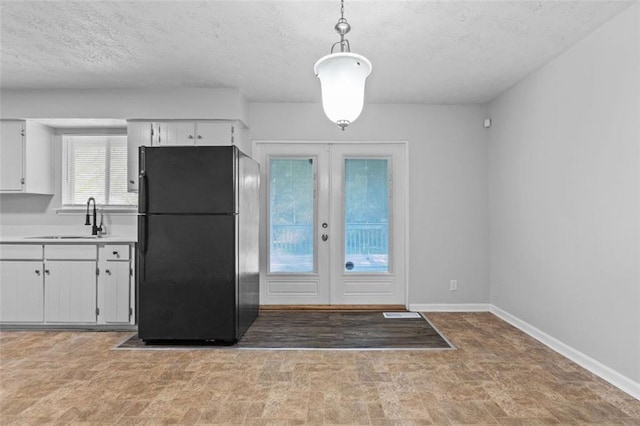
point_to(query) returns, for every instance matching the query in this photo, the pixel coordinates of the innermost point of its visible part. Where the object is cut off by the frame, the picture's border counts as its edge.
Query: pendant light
(342, 76)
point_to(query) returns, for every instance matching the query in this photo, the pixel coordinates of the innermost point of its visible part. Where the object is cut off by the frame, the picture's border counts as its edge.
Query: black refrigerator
(197, 252)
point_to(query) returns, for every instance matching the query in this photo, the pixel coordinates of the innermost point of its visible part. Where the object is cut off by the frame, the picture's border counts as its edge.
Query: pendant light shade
(342, 80)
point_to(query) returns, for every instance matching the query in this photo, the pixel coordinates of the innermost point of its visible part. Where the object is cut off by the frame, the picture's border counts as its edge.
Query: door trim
(405, 187)
(334, 308)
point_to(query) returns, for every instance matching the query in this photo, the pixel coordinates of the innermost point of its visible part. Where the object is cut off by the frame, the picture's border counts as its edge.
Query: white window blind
(96, 166)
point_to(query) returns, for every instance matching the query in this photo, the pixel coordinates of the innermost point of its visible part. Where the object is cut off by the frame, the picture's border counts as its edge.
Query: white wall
(564, 197)
(34, 214)
(448, 184)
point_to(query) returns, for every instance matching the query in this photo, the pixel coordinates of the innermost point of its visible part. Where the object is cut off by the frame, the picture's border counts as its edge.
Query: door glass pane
(291, 215)
(366, 208)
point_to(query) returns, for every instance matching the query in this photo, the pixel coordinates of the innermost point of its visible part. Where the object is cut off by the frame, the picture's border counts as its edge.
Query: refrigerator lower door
(187, 284)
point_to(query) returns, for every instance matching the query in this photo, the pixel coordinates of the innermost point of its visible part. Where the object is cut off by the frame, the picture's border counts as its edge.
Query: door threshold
(334, 308)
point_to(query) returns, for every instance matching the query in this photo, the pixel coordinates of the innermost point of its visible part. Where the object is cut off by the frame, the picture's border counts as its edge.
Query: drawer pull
(38, 272)
(115, 253)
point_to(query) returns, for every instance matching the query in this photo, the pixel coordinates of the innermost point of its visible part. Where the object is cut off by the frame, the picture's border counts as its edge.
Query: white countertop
(83, 239)
(36, 234)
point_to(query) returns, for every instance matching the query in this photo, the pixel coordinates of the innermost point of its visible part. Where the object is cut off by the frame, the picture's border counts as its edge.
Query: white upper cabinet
(175, 133)
(139, 133)
(26, 157)
(208, 133)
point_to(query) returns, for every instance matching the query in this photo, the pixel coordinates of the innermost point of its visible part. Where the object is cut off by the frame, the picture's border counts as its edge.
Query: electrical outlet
(453, 285)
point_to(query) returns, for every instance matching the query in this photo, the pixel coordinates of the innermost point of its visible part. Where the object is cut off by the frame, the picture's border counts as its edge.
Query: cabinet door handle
(38, 272)
(46, 271)
(199, 136)
(107, 271)
(190, 136)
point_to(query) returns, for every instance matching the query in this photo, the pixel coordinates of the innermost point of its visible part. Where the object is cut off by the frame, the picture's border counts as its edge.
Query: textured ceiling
(422, 51)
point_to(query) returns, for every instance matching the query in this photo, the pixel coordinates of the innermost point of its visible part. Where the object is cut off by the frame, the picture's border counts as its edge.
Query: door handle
(325, 237)
(142, 185)
(142, 233)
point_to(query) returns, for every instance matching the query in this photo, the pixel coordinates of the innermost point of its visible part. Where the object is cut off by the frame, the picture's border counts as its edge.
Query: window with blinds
(96, 166)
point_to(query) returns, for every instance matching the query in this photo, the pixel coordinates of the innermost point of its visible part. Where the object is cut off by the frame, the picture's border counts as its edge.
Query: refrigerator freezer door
(188, 180)
(187, 285)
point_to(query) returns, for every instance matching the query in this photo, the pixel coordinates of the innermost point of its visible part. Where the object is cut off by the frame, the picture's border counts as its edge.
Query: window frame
(126, 209)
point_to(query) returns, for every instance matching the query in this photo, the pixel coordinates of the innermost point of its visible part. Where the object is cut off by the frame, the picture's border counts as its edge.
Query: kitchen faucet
(95, 228)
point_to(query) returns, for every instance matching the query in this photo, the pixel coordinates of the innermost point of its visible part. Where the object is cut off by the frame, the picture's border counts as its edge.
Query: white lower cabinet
(21, 291)
(115, 281)
(70, 291)
(73, 284)
(117, 289)
(70, 282)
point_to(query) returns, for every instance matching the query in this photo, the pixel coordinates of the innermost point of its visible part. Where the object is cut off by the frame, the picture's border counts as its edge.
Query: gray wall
(448, 209)
(448, 172)
(27, 214)
(32, 214)
(564, 197)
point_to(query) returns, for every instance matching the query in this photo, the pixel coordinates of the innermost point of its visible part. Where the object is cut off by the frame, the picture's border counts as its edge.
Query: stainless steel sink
(65, 237)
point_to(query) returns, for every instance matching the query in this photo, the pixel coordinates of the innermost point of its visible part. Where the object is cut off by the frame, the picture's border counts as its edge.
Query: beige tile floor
(498, 375)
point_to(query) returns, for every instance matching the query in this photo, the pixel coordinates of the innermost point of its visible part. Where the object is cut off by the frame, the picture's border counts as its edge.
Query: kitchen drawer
(116, 252)
(76, 252)
(21, 251)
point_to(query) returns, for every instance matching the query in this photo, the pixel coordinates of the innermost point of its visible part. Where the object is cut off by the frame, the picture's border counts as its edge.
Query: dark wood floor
(329, 330)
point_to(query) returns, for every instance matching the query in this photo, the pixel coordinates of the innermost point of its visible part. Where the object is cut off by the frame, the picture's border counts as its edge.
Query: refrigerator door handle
(142, 184)
(142, 233)
(142, 196)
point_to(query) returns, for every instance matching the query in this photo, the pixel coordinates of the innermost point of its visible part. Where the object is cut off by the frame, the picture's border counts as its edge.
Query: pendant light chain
(342, 28)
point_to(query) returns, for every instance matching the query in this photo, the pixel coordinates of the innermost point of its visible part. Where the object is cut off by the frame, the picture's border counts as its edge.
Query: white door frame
(403, 186)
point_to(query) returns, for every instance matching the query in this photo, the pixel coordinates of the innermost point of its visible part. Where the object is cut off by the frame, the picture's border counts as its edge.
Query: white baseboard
(606, 373)
(450, 307)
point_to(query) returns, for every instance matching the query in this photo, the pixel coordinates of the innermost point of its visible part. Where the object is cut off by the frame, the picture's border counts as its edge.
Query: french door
(333, 221)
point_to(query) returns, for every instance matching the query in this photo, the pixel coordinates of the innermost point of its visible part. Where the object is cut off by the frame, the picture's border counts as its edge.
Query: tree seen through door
(366, 215)
(291, 190)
